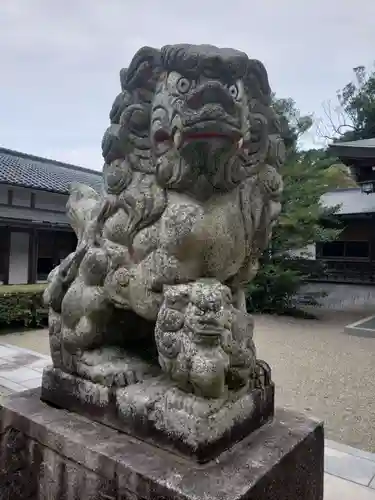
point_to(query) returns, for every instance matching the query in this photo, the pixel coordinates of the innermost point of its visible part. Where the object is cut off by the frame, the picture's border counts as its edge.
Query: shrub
(22, 304)
(275, 288)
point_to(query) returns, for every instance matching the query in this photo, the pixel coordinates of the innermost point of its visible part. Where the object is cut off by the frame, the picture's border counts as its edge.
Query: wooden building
(351, 258)
(359, 156)
(35, 234)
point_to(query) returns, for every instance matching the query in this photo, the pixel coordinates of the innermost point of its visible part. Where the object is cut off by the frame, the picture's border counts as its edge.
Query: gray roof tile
(25, 170)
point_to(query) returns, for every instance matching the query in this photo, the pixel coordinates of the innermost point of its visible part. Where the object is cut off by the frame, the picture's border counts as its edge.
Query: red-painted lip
(207, 135)
(163, 136)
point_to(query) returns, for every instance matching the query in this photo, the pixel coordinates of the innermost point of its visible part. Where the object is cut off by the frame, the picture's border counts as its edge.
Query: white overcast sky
(60, 59)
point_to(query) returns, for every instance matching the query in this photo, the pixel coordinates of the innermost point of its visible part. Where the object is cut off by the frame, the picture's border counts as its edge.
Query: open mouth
(209, 329)
(203, 131)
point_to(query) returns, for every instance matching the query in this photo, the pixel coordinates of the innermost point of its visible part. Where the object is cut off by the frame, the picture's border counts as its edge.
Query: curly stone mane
(133, 178)
(129, 171)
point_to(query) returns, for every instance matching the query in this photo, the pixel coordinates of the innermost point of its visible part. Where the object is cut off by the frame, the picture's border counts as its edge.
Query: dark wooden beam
(7, 257)
(33, 255)
(32, 200)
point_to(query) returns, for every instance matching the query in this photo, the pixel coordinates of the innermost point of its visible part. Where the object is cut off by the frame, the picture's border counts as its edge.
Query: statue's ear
(259, 93)
(141, 69)
(276, 151)
(259, 141)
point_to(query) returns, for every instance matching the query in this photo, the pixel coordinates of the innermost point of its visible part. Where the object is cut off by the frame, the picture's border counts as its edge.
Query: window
(53, 247)
(333, 249)
(357, 249)
(344, 250)
(44, 267)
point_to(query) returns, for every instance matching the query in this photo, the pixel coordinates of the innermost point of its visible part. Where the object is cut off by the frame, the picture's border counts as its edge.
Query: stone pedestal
(157, 412)
(50, 453)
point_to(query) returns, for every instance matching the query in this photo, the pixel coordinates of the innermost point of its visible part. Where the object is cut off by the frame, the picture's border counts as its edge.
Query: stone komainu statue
(191, 191)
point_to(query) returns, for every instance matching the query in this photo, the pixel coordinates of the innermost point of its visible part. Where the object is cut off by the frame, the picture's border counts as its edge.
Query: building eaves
(363, 148)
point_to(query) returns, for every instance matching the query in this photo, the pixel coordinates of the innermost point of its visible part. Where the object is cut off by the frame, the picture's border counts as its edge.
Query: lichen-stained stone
(158, 412)
(153, 295)
(47, 453)
(191, 191)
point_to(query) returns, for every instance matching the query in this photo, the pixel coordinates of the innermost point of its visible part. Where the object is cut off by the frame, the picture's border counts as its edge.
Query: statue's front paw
(207, 375)
(144, 301)
(116, 287)
(85, 336)
(144, 298)
(131, 289)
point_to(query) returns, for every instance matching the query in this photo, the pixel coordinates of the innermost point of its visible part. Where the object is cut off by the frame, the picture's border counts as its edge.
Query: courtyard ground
(317, 368)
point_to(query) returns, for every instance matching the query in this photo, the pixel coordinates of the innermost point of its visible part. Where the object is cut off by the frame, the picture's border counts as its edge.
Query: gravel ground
(317, 368)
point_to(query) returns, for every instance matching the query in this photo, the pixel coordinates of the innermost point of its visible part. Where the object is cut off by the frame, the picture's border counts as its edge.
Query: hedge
(22, 304)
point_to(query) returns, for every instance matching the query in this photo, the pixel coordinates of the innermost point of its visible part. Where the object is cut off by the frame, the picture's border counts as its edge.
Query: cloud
(60, 60)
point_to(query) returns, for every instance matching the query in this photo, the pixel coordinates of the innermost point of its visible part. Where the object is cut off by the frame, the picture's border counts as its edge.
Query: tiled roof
(25, 170)
(351, 201)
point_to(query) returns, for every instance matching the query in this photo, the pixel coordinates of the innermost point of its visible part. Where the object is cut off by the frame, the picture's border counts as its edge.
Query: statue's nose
(212, 93)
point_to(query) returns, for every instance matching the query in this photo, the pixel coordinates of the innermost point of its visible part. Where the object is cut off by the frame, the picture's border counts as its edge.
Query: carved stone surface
(191, 191)
(159, 412)
(47, 453)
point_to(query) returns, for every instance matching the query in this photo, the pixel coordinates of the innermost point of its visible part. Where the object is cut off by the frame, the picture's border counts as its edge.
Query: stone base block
(156, 411)
(48, 453)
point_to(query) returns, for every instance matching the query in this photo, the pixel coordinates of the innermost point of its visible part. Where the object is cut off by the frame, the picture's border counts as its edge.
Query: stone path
(20, 368)
(349, 472)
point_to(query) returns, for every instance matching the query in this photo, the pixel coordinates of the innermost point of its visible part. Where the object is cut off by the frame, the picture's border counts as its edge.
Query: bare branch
(336, 121)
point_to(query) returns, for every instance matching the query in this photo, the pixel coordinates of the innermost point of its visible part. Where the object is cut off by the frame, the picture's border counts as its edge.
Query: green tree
(303, 221)
(336, 174)
(293, 124)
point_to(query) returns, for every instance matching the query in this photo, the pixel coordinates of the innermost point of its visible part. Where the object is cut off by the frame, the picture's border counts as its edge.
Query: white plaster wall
(308, 252)
(343, 296)
(21, 197)
(50, 201)
(18, 258)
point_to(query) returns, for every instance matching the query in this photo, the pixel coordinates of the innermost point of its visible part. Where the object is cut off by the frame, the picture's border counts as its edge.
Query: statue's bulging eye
(233, 90)
(183, 85)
